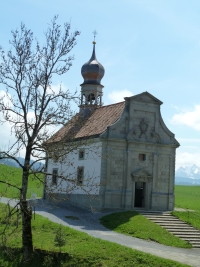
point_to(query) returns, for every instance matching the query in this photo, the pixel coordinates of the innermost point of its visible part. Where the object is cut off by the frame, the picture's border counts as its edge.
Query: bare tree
(30, 104)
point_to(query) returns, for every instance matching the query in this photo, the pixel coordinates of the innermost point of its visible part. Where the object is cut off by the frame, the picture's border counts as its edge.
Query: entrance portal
(139, 194)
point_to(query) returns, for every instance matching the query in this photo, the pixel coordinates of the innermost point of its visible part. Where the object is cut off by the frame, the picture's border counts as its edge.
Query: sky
(144, 45)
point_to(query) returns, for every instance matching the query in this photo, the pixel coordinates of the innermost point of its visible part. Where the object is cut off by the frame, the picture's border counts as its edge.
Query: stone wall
(140, 130)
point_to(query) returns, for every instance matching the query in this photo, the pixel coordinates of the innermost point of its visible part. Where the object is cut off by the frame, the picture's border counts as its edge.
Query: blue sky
(144, 45)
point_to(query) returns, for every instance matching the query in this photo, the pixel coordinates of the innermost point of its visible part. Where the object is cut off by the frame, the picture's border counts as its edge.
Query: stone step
(188, 235)
(180, 228)
(181, 233)
(170, 224)
(187, 232)
(160, 215)
(195, 244)
(156, 214)
(165, 218)
(162, 218)
(184, 227)
(176, 227)
(193, 240)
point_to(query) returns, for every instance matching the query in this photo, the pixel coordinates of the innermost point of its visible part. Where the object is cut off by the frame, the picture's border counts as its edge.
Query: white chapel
(120, 156)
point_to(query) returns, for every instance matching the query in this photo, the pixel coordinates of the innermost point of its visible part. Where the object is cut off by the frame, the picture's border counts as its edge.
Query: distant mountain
(189, 172)
(13, 163)
(186, 181)
(9, 162)
(189, 175)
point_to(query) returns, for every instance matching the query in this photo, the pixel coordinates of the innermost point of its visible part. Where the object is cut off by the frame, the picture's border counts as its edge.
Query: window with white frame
(80, 173)
(54, 176)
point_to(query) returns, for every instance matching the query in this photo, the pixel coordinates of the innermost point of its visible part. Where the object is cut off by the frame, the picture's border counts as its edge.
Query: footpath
(88, 222)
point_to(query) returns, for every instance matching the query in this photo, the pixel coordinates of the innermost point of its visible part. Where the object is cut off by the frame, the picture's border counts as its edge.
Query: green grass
(14, 176)
(80, 249)
(133, 224)
(190, 217)
(188, 197)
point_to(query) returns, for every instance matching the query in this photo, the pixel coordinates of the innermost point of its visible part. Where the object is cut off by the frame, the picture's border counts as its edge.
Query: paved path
(88, 222)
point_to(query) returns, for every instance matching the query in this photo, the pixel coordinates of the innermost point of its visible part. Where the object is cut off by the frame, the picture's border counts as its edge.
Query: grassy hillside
(13, 176)
(80, 249)
(134, 224)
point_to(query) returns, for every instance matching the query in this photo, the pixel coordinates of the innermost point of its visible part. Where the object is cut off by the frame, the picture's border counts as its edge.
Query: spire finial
(95, 33)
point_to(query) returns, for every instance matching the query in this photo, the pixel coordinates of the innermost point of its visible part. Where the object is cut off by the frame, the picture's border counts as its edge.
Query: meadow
(81, 249)
(13, 176)
(188, 198)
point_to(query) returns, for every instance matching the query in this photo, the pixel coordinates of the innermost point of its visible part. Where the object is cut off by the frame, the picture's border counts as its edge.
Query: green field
(188, 198)
(13, 176)
(80, 249)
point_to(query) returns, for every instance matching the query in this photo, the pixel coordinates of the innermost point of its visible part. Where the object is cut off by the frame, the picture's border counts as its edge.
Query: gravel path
(88, 222)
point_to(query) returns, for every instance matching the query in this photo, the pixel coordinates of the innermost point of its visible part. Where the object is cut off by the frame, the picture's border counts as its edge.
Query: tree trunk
(27, 243)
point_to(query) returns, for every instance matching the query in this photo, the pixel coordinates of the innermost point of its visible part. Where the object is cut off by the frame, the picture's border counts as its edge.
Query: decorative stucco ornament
(143, 127)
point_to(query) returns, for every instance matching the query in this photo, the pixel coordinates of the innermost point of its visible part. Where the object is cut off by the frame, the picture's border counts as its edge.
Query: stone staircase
(175, 226)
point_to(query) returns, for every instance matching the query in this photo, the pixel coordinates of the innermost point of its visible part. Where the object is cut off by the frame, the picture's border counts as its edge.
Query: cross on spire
(95, 33)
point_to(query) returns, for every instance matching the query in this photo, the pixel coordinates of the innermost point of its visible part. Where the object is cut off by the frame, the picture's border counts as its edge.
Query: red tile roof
(92, 125)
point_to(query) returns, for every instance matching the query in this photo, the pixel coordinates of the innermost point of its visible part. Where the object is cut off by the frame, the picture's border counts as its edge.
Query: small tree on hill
(60, 237)
(31, 105)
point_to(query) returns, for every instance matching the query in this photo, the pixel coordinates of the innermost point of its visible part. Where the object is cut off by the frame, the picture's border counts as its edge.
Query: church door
(139, 194)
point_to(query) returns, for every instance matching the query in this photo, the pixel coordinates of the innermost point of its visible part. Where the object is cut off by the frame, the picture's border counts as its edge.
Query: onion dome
(92, 71)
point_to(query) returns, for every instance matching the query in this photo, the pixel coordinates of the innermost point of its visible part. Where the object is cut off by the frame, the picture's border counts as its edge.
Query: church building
(119, 156)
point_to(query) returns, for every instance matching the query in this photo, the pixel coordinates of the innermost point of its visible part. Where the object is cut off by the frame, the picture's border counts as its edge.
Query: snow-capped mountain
(192, 172)
(188, 175)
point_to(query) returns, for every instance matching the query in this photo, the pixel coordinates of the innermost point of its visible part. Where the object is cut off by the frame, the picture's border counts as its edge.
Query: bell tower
(91, 89)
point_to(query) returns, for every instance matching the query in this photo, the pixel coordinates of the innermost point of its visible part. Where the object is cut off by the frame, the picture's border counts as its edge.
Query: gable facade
(139, 169)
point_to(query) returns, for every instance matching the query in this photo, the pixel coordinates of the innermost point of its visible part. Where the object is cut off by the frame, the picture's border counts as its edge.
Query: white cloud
(187, 159)
(118, 96)
(190, 118)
